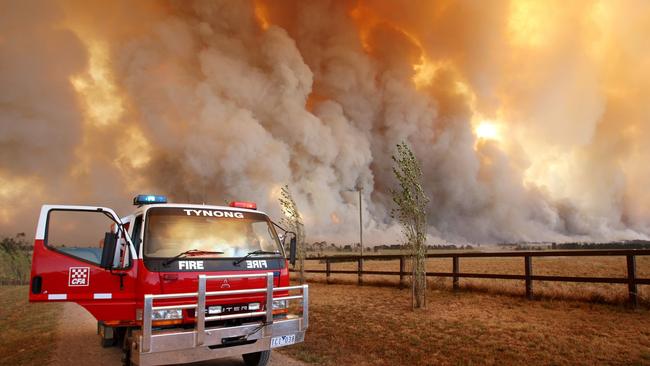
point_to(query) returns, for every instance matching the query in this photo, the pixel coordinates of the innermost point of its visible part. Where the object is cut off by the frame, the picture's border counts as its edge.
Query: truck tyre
(257, 358)
(126, 347)
(119, 335)
(126, 357)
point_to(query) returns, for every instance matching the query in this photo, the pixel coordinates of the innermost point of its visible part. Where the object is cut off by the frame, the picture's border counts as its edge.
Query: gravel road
(79, 344)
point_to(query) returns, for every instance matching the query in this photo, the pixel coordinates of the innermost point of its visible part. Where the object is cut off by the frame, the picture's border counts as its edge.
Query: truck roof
(143, 208)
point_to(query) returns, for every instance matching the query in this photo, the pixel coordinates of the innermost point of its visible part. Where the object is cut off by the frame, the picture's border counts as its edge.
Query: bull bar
(170, 346)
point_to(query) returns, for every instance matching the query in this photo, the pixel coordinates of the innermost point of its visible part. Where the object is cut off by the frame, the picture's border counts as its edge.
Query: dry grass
(559, 266)
(28, 330)
(369, 325)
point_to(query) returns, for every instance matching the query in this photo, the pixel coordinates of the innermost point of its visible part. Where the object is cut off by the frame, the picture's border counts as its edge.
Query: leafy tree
(292, 220)
(410, 210)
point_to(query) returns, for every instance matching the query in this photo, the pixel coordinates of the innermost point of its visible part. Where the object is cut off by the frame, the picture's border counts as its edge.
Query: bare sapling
(410, 210)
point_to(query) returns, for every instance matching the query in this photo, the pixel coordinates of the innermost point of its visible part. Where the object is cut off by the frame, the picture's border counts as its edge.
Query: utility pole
(360, 188)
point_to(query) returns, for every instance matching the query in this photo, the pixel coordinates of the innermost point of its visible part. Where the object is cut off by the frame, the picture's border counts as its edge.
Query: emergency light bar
(241, 204)
(148, 199)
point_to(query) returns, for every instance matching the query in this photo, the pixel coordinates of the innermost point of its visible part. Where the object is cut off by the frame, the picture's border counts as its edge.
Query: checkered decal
(79, 276)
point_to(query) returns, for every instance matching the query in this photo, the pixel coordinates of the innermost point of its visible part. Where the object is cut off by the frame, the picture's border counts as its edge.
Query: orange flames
(97, 89)
(262, 15)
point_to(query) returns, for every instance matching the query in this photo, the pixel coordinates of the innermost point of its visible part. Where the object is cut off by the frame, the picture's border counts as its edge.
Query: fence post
(360, 270)
(456, 270)
(327, 269)
(631, 280)
(528, 264)
(402, 268)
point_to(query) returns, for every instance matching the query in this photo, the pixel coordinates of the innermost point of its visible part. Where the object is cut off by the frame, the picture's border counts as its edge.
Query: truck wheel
(257, 358)
(126, 358)
(119, 335)
(126, 347)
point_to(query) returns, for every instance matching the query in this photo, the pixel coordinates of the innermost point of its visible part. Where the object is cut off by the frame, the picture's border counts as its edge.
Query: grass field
(374, 325)
(370, 325)
(559, 266)
(28, 330)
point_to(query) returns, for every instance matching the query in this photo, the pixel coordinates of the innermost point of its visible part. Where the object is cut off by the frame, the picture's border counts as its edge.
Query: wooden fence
(631, 280)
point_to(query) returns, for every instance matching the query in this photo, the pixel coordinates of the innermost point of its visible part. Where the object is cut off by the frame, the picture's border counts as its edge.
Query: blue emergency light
(148, 199)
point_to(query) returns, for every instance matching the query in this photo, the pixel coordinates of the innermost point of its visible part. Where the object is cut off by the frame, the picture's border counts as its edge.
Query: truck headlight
(279, 304)
(167, 314)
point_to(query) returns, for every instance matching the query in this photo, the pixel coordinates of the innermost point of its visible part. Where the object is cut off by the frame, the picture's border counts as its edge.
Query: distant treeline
(628, 244)
(331, 247)
(429, 247)
(624, 244)
(15, 260)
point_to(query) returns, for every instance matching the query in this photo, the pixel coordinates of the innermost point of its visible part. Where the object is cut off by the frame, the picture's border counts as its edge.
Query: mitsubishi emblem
(225, 284)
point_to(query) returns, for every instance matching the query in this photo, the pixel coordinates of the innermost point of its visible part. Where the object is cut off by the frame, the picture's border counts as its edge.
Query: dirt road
(79, 344)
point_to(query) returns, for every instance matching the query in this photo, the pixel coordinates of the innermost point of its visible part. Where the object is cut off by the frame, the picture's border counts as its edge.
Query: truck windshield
(170, 231)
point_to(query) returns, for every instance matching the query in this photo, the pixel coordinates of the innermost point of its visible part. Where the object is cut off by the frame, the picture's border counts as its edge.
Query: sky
(530, 118)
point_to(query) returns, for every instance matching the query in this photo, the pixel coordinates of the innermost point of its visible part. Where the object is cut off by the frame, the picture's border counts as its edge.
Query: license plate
(283, 340)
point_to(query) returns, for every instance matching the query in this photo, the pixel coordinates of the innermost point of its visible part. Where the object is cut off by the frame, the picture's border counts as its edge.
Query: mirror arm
(110, 217)
(292, 248)
(279, 227)
(110, 269)
(121, 275)
(120, 226)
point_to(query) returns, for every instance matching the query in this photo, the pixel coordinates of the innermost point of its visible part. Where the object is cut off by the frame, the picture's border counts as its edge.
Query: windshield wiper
(189, 252)
(255, 252)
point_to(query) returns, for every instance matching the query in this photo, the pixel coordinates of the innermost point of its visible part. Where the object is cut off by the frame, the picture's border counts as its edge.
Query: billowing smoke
(530, 118)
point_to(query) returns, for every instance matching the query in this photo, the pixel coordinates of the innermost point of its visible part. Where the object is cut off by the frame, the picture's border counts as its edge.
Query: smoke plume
(530, 118)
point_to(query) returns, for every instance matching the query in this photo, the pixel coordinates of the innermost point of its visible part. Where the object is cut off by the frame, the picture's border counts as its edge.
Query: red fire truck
(173, 283)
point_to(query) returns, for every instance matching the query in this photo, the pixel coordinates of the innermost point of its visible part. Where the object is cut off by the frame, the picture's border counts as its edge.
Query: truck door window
(79, 234)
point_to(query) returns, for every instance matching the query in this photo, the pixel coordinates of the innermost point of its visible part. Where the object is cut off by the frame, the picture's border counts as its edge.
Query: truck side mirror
(292, 251)
(108, 252)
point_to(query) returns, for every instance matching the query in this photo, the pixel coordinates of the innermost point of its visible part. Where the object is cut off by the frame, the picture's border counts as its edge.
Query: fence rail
(528, 277)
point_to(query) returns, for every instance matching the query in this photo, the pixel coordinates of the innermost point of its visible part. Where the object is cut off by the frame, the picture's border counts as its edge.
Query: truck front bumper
(173, 346)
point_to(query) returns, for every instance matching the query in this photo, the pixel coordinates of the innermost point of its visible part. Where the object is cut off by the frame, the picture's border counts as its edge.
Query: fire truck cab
(173, 283)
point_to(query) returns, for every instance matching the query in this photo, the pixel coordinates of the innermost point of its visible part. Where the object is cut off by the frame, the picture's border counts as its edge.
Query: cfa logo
(214, 213)
(256, 264)
(190, 264)
(79, 276)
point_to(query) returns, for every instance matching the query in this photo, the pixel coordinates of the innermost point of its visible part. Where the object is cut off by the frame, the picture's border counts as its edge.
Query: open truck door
(83, 254)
